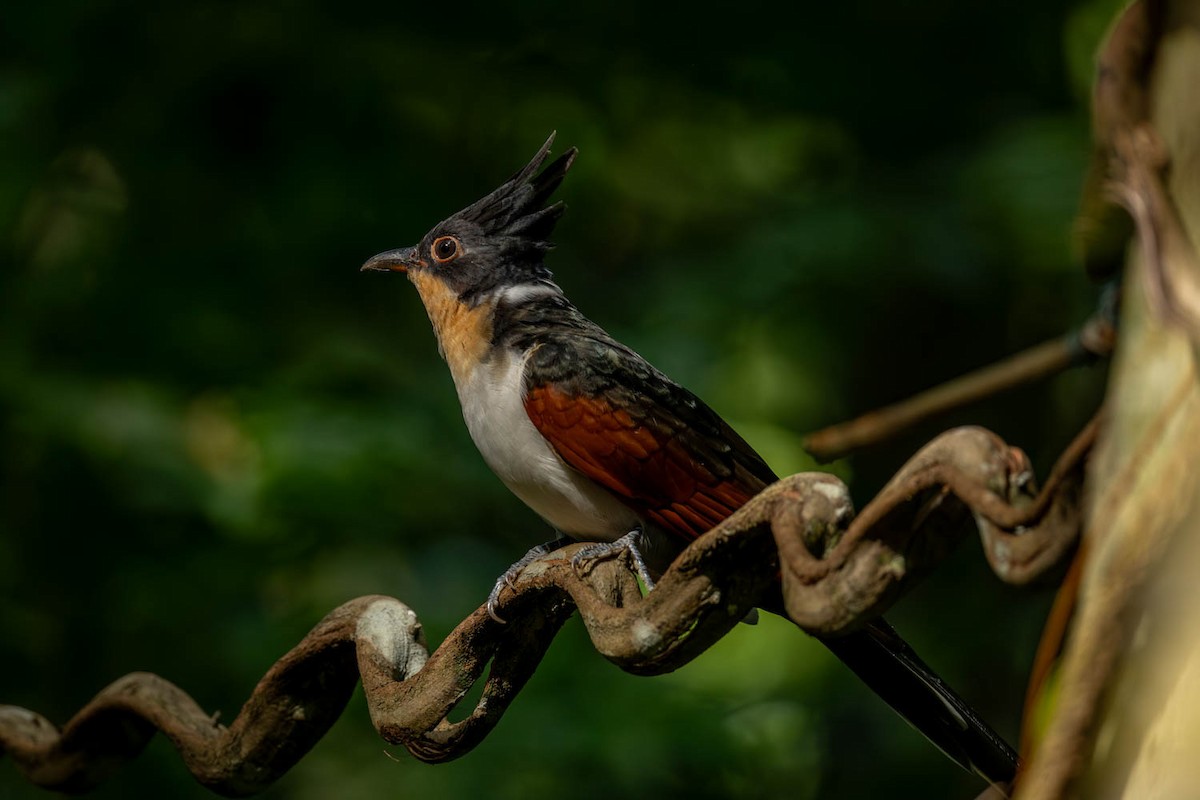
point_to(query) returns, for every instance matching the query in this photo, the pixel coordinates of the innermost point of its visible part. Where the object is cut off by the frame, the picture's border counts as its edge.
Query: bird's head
(498, 241)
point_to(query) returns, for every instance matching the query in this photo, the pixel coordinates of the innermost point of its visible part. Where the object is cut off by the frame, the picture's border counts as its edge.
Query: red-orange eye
(445, 248)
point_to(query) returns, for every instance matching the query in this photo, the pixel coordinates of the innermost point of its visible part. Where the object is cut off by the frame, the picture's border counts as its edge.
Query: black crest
(518, 208)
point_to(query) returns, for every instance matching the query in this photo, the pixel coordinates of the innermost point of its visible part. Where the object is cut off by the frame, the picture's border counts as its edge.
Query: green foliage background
(213, 429)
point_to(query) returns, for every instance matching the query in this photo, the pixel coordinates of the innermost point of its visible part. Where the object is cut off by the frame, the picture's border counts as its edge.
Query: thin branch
(1095, 339)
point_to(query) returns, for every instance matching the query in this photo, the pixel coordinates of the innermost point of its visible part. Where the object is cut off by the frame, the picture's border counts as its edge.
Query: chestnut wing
(656, 446)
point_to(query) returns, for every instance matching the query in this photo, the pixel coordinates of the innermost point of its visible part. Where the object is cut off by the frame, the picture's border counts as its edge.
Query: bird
(602, 445)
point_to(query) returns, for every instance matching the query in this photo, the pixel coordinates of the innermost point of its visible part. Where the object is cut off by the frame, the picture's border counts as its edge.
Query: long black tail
(893, 670)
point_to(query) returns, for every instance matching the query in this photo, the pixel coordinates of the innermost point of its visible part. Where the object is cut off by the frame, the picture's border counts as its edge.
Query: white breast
(493, 407)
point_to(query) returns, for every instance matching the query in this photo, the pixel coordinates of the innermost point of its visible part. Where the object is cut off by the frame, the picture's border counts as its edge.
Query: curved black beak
(392, 261)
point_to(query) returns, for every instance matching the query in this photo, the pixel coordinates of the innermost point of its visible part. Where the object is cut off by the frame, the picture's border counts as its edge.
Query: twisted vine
(837, 570)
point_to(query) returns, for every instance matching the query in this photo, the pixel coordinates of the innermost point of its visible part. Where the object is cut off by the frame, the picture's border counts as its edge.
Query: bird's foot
(510, 575)
(627, 544)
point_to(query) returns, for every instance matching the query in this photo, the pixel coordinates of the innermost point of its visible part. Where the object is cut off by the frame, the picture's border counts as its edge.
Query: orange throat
(463, 333)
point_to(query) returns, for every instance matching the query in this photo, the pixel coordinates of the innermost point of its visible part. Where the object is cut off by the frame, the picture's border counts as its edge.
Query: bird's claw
(509, 578)
(627, 544)
(600, 551)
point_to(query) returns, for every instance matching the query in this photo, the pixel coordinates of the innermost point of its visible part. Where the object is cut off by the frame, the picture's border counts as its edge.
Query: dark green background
(214, 429)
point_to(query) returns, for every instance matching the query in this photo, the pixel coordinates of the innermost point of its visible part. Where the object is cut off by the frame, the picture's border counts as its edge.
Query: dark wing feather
(646, 439)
